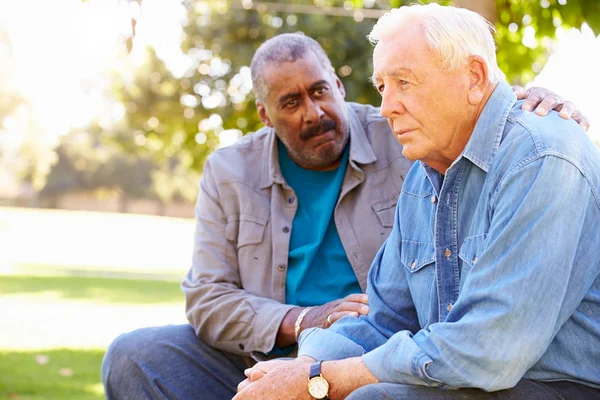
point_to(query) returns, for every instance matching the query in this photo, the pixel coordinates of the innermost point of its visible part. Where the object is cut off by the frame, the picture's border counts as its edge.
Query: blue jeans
(170, 362)
(525, 390)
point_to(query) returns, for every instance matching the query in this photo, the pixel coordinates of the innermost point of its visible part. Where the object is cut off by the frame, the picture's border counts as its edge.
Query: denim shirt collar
(361, 151)
(487, 135)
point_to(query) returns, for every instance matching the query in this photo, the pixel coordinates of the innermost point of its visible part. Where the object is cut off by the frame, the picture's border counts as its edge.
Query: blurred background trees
(168, 111)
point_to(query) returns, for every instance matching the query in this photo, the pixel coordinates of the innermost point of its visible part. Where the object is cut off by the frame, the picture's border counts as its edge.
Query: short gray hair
(455, 33)
(287, 47)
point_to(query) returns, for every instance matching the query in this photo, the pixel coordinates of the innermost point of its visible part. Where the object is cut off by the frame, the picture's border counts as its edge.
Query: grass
(68, 374)
(96, 290)
(71, 320)
(70, 282)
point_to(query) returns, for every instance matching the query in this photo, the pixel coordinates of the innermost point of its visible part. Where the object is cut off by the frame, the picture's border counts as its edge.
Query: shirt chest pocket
(245, 230)
(470, 251)
(385, 211)
(418, 259)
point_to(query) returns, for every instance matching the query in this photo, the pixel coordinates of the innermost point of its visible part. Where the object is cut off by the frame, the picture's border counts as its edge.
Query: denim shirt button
(449, 307)
(447, 253)
(433, 199)
(413, 265)
(475, 259)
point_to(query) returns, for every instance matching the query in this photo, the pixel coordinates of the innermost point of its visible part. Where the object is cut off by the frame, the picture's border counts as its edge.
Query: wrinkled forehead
(293, 76)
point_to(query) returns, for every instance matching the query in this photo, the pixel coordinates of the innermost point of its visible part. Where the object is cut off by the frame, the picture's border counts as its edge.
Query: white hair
(455, 33)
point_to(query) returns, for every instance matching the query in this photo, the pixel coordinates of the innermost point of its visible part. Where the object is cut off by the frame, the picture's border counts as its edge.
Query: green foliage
(88, 161)
(536, 21)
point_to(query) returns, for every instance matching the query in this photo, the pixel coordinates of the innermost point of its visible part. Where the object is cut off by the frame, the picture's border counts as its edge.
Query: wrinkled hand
(277, 380)
(543, 100)
(325, 315)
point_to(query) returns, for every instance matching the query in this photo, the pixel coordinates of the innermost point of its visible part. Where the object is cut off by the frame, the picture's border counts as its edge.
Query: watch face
(318, 387)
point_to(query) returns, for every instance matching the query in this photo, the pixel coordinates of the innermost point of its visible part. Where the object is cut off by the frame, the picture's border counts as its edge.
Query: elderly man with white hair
(489, 283)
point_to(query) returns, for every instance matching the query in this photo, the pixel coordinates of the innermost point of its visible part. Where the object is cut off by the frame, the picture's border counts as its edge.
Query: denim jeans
(525, 390)
(169, 362)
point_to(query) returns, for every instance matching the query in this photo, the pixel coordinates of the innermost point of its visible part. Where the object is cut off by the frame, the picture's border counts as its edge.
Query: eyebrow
(375, 78)
(294, 95)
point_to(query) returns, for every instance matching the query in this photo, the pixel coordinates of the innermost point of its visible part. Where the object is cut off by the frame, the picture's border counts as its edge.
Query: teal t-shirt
(318, 268)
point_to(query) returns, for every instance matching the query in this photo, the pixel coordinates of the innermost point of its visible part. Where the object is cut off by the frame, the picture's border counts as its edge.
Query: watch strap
(315, 369)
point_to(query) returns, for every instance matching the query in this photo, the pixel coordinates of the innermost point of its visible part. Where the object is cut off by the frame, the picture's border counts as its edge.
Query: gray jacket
(235, 290)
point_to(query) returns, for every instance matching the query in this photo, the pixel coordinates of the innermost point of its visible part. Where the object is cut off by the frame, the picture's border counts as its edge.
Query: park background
(108, 110)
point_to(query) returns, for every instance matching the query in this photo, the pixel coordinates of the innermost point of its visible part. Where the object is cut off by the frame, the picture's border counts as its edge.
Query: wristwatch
(318, 387)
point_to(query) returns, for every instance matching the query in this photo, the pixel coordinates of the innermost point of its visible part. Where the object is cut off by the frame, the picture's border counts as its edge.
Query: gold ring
(329, 319)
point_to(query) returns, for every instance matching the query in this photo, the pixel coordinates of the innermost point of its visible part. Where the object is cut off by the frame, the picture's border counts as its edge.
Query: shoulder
(528, 137)
(242, 160)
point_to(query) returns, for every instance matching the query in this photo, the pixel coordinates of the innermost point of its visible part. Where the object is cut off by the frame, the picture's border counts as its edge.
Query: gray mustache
(324, 126)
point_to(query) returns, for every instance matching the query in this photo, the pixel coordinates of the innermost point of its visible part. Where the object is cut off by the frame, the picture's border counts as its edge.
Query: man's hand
(321, 316)
(287, 379)
(543, 100)
(276, 380)
(325, 315)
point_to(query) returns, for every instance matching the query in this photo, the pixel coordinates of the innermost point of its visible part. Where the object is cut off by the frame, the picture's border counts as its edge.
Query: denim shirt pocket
(470, 251)
(245, 230)
(418, 259)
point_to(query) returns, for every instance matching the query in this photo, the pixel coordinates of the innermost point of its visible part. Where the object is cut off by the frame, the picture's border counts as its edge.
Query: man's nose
(313, 112)
(390, 104)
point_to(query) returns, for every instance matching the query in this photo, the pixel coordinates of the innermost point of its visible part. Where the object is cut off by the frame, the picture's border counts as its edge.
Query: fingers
(549, 102)
(520, 92)
(359, 308)
(357, 298)
(254, 374)
(341, 314)
(580, 119)
(243, 384)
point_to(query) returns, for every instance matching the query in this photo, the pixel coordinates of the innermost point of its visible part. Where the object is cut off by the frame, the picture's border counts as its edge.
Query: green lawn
(81, 316)
(96, 290)
(70, 282)
(68, 374)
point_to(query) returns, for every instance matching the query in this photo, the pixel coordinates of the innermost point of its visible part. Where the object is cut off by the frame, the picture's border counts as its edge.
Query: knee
(123, 354)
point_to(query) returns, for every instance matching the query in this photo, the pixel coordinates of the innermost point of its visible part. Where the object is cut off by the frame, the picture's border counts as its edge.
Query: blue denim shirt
(491, 273)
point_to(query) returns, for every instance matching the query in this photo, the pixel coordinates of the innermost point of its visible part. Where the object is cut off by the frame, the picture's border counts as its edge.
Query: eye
(291, 103)
(320, 91)
(403, 82)
(380, 88)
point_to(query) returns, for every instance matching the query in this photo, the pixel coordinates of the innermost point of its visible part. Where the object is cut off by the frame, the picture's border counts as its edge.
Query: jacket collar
(487, 135)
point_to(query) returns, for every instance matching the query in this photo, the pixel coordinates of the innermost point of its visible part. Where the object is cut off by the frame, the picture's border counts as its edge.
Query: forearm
(232, 319)
(286, 335)
(345, 376)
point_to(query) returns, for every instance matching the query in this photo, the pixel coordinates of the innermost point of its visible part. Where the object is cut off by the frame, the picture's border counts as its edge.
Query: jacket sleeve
(222, 313)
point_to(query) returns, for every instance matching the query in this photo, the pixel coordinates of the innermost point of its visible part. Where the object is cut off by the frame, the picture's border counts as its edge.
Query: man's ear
(262, 113)
(340, 86)
(478, 79)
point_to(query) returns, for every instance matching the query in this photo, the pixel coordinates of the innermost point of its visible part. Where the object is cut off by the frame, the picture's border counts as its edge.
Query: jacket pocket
(418, 259)
(385, 211)
(245, 230)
